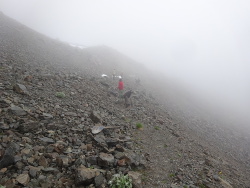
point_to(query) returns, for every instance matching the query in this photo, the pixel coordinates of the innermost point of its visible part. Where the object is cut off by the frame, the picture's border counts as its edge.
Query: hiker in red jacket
(120, 87)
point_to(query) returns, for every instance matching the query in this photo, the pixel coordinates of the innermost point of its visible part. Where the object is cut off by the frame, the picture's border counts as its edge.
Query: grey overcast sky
(203, 43)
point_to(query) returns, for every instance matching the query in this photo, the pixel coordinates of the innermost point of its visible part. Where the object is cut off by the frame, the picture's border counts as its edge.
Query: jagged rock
(95, 117)
(99, 180)
(49, 169)
(136, 179)
(8, 157)
(100, 139)
(28, 127)
(4, 126)
(21, 89)
(19, 165)
(119, 148)
(111, 142)
(123, 162)
(17, 111)
(106, 160)
(43, 161)
(47, 140)
(4, 103)
(92, 160)
(33, 171)
(70, 114)
(89, 147)
(85, 176)
(80, 161)
(63, 160)
(105, 84)
(46, 116)
(23, 179)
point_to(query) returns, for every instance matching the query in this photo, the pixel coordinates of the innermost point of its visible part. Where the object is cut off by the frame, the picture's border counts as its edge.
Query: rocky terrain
(52, 97)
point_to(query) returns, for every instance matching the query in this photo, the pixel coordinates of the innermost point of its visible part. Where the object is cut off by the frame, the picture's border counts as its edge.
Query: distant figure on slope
(120, 87)
(127, 97)
(114, 73)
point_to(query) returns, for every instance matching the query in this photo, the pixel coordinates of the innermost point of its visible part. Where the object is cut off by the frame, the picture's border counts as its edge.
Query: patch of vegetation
(185, 186)
(60, 94)
(171, 175)
(2, 186)
(139, 125)
(127, 120)
(202, 186)
(165, 145)
(157, 128)
(120, 181)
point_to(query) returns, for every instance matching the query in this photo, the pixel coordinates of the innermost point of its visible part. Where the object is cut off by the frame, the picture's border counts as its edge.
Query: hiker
(120, 87)
(113, 75)
(127, 98)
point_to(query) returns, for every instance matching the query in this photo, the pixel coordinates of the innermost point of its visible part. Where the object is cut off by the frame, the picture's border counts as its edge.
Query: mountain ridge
(52, 135)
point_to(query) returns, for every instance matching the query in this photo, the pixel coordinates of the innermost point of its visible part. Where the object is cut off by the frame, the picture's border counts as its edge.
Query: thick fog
(204, 45)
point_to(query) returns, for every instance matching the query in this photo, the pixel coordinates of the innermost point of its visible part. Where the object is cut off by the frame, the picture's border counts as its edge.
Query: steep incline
(52, 95)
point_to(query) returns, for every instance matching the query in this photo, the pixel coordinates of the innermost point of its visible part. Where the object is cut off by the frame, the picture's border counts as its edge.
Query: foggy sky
(205, 44)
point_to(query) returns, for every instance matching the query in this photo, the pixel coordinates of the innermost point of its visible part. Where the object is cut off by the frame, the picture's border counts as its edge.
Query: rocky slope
(51, 98)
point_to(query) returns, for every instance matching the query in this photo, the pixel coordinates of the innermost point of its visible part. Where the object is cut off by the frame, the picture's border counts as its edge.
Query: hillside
(51, 97)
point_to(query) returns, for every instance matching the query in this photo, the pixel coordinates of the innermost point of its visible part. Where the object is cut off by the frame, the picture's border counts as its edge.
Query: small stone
(99, 180)
(23, 179)
(85, 176)
(17, 111)
(33, 171)
(21, 89)
(95, 117)
(3, 170)
(216, 177)
(106, 160)
(70, 114)
(49, 169)
(136, 179)
(89, 147)
(62, 160)
(48, 140)
(43, 161)
(47, 116)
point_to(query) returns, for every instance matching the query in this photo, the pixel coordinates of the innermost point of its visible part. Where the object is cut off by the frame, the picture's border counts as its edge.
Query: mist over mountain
(52, 95)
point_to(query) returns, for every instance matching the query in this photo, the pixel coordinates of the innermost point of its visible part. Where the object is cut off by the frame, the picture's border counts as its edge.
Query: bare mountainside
(52, 96)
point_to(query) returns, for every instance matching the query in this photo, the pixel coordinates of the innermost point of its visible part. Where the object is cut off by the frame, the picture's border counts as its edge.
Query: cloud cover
(203, 44)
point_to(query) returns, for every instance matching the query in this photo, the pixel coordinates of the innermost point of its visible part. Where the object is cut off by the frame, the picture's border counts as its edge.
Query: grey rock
(47, 116)
(92, 160)
(80, 161)
(46, 139)
(17, 111)
(112, 142)
(95, 117)
(21, 89)
(4, 103)
(85, 176)
(136, 179)
(99, 180)
(100, 139)
(106, 160)
(49, 169)
(8, 158)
